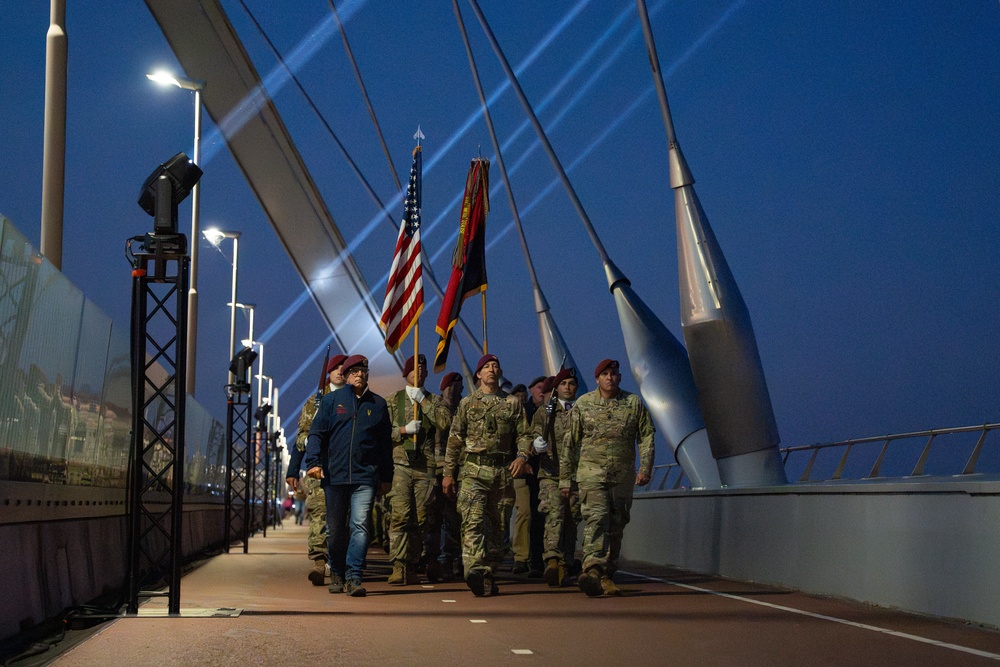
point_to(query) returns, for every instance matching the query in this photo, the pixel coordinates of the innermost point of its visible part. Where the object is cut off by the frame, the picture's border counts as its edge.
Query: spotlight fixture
(165, 188)
(240, 368)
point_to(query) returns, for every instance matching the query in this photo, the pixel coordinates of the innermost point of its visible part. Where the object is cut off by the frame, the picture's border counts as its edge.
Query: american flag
(404, 295)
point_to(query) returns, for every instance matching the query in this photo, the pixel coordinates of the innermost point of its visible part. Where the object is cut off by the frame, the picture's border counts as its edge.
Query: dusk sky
(847, 156)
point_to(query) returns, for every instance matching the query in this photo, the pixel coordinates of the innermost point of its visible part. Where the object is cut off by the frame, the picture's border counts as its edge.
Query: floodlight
(240, 368)
(165, 188)
(263, 410)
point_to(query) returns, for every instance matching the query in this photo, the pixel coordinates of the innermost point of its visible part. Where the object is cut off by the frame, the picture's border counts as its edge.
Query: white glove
(412, 428)
(540, 445)
(416, 394)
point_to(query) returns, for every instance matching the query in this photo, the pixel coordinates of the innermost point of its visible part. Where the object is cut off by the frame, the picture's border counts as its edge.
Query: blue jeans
(348, 507)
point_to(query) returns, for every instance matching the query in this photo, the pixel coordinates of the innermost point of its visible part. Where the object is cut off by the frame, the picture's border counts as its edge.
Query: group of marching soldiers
(451, 462)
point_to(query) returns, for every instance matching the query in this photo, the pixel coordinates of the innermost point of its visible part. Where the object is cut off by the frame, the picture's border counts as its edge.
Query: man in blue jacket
(350, 451)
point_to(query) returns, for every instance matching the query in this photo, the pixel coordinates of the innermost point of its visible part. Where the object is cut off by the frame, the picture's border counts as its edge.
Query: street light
(250, 307)
(215, 236)
(166, 79)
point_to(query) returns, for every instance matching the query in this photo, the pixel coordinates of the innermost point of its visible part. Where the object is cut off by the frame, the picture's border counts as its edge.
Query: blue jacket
(351, 439)
(294, 463)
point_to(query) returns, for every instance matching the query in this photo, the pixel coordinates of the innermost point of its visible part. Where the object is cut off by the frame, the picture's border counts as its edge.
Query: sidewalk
(666, 617)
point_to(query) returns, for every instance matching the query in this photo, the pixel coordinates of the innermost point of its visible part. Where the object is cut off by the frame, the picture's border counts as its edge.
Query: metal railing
(670, 476)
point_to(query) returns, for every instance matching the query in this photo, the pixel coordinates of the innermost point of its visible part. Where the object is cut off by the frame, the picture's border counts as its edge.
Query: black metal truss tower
(156, 475)
(239, 468)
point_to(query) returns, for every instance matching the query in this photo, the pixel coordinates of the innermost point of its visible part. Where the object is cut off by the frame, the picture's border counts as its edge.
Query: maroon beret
(355, 360)
(334, 362)
(450, 379)
(548, 384)
(563, 374)
(607, 363)
(408, 366)
(486, 358)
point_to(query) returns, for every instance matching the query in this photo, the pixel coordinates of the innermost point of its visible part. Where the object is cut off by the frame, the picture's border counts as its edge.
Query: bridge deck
(666, 617)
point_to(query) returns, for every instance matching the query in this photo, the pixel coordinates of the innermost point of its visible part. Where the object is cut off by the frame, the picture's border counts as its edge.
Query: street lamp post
(215, 237)
(167, 79)
(250, 307)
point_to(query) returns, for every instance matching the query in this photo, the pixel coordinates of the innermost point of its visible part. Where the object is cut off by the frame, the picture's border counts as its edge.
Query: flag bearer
(415, 471)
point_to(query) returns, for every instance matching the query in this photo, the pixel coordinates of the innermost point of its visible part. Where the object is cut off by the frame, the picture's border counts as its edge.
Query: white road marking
(476, 620)
(823, 617)
(522, 651)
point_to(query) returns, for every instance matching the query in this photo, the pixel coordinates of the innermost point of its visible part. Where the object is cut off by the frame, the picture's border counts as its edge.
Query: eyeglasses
(355, 371)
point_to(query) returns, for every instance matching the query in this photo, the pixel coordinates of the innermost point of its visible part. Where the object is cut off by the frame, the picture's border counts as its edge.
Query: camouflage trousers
(520, 539)
(485, 496)
(451, 532)
(316, 506)
(562, 516)
(413, 491)
(605, 507)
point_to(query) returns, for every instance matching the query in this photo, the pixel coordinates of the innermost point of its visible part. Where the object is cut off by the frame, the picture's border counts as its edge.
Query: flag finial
(419, 135)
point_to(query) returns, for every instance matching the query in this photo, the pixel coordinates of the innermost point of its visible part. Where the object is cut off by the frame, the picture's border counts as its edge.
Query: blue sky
(846, 157)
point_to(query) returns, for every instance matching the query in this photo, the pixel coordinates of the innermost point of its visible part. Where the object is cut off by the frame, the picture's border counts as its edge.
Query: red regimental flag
(468, 272)
(404, 294)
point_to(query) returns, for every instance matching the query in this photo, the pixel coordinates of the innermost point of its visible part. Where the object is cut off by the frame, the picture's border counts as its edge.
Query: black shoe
(520, 567)
(477, 583)
(336, 583)
(590, 583)
(356, 590)
(492, 585)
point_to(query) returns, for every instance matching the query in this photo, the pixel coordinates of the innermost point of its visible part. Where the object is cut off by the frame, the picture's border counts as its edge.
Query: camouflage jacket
(599, 445)
(441, 440)
(419, 451)
(489, 425)
(306, 418)
(547, 464)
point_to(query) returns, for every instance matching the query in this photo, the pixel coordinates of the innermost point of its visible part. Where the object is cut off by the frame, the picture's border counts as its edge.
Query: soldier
(599, 448)
(561, 516)
(527, 531)
(417, 416)
(350, 450)
(444, 532)
(315, 498)
(492, 434)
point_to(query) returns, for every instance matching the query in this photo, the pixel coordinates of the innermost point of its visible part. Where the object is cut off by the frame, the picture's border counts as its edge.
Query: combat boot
(590, 583)
(552, 573)
(490, 585)
(433, 571)
(318, 573)
(399, 574)
(477, 583)
(336, 583)
(609, 587)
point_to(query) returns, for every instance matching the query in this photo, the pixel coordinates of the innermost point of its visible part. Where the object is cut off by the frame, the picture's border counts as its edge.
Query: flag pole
(418, 135)
(486, 345)
(416, 366)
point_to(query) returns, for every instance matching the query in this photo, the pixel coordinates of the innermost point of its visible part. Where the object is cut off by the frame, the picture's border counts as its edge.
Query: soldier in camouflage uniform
(414, 478)
(316, 499)
(599, 453)
(443, 539)
(561, 515)
(493, 436)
